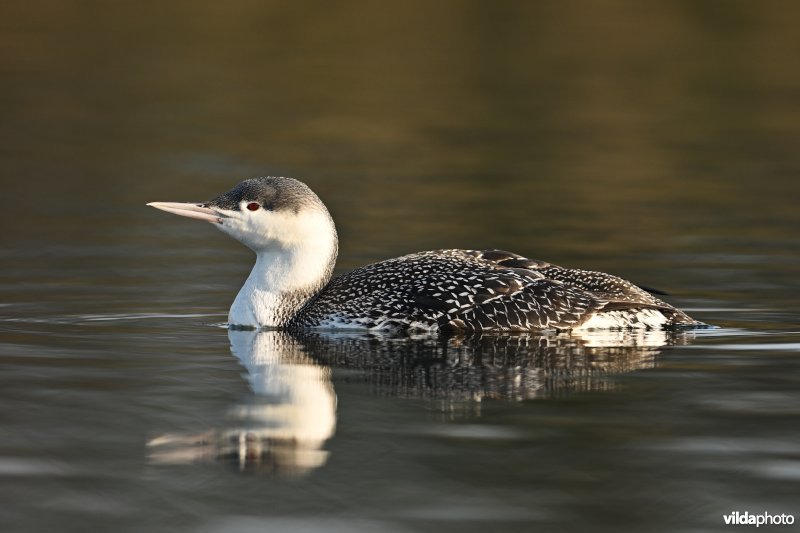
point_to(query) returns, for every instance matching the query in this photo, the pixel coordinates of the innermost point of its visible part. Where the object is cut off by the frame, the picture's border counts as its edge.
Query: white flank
(641, 319)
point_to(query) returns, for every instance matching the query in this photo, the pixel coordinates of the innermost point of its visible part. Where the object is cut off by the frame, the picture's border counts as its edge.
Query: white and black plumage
(296, 244)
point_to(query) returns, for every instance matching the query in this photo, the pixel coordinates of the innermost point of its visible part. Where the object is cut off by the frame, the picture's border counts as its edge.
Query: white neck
(278, 286)
(282, 280)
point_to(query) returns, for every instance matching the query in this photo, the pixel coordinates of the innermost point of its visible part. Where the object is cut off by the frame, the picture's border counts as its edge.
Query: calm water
(658, 143)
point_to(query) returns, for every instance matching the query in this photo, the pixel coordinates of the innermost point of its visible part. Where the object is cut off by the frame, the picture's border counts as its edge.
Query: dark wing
(602, 285)
(565, 297)
(467, 289)
(652, 290)
(489, 295)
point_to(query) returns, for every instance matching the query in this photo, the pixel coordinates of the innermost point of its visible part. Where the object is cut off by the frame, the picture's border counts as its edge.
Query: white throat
(288, 272)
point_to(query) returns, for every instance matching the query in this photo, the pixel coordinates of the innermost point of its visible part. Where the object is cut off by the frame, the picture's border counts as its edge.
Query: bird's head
(265, 214)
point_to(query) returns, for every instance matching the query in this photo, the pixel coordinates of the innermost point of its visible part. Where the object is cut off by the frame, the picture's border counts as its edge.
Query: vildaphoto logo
(764, 519)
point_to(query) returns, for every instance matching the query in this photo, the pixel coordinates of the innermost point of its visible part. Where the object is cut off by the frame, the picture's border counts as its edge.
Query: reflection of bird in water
(290, 287)
(284, 427)
(478, 367)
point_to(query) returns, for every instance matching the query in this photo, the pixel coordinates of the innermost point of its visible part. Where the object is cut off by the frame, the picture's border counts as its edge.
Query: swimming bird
(291, 285)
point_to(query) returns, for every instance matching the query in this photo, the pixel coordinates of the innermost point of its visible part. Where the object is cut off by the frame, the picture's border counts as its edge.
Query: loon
(291, 285)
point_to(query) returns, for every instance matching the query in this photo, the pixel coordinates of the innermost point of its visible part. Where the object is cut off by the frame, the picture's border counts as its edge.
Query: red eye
(252, 206)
